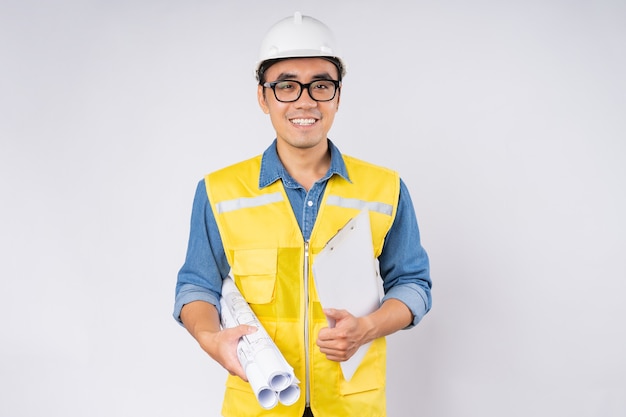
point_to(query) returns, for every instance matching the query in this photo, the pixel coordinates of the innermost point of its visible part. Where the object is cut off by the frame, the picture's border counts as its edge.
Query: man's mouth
(303, 122)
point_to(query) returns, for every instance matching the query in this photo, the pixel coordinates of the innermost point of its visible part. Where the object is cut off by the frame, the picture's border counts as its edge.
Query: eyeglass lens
(320, 90)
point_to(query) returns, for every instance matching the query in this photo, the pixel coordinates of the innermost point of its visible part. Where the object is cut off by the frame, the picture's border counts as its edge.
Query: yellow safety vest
(271, 265)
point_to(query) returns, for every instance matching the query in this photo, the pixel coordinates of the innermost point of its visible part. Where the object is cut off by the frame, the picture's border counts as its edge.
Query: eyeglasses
(288, 91)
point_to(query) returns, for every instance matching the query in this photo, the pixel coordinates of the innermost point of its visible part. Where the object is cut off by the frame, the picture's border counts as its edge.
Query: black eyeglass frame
(273, 84)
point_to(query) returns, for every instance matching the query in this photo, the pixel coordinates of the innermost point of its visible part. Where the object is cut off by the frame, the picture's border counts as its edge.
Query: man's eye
(322, 85)
(285, 86)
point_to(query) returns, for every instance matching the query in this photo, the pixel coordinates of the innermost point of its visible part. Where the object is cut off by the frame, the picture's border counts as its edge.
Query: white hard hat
(297, 37)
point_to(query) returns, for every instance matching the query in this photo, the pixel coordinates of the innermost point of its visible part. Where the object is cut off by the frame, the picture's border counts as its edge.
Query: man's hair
(260, 75)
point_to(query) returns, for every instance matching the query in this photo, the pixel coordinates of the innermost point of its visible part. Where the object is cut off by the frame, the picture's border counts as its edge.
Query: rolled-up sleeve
(200, 277)
(404, 263)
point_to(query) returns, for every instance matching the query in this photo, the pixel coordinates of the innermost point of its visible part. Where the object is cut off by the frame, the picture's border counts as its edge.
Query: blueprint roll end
(289, 395)
(279, 382)
(267, 398)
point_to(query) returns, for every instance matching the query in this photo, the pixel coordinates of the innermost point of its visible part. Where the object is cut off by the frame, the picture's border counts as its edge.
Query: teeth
(303, 122)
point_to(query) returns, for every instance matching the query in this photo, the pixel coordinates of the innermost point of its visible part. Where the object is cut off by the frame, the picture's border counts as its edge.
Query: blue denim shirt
(403, 262)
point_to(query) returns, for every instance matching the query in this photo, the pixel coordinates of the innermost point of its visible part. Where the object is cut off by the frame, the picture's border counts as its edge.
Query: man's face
(304, 123)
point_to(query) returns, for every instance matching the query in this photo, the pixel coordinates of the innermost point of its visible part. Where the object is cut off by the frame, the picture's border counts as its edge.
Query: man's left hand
(339, 343)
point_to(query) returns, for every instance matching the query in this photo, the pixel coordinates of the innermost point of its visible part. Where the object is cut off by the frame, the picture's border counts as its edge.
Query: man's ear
(338, 99)
(260, 95)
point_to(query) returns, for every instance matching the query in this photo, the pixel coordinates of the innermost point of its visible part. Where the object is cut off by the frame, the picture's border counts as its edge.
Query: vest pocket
(239, 399)
(370, 375)
(255, 274)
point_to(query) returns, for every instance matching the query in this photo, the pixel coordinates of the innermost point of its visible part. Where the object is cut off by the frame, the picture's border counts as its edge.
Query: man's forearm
(393, 315)
(200, 316)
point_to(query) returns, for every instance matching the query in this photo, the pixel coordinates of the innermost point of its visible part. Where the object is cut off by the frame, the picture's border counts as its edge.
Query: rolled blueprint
(270, 376)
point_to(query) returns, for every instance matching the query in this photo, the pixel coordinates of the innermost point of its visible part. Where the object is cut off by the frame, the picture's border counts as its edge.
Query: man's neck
(306, 166)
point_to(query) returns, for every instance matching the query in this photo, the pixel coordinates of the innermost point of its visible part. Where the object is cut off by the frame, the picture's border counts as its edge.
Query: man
(265, 219)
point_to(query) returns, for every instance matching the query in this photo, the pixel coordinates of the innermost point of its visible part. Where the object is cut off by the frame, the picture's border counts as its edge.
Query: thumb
(335, 314)
(244, 329)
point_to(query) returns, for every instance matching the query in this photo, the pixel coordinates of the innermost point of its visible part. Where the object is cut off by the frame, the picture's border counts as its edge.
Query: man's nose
(305, 99)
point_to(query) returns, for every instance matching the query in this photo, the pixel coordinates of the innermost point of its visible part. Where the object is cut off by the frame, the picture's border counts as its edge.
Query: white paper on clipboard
(346, 277)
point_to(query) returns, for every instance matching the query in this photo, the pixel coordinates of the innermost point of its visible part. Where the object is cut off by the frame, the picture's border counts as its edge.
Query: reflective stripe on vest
(335, 200)
(247, 202)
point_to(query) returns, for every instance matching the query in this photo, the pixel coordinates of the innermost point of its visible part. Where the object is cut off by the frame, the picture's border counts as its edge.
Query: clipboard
(347, 277)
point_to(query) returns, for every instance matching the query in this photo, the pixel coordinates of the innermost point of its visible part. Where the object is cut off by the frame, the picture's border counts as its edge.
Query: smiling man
(265, 219)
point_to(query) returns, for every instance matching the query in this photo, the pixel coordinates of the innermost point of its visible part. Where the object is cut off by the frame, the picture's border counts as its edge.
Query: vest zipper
(306, 325)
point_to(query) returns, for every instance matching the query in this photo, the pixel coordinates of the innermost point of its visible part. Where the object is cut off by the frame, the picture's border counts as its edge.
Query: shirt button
(309, 203)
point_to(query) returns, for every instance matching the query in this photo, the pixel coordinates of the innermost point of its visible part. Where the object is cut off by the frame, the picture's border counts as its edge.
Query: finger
(336, 355)
(242, 330)
(239, 371)
(337, 315)
(325, 333)
(246, 329)
(330, 334)
(333, 313)
(335, 344)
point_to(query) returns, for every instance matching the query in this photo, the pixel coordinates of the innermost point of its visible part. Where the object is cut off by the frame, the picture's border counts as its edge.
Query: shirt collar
(272, 168)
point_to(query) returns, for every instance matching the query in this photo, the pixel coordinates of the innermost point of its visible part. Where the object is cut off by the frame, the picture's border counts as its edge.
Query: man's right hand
(202, 320)
(222, 347)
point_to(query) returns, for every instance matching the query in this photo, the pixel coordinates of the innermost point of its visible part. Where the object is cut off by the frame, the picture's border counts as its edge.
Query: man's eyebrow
(286, 76)
(322, 76)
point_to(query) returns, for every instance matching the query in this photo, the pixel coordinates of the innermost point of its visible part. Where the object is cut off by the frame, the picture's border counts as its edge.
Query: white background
(507, 120)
